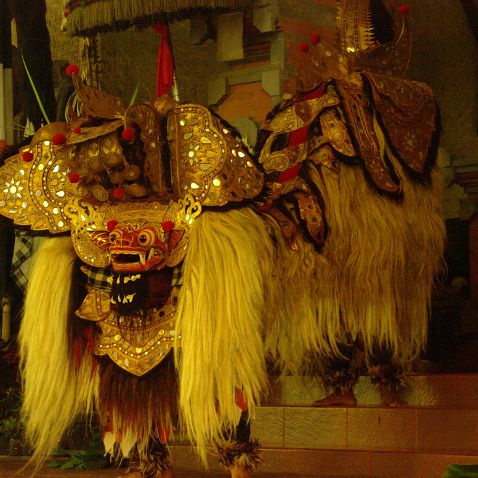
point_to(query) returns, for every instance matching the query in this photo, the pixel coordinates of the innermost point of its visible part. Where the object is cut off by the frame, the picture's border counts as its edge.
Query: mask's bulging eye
(146, 238)
(114, 236)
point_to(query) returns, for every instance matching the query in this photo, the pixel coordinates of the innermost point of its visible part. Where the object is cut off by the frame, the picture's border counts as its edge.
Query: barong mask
(102, 176)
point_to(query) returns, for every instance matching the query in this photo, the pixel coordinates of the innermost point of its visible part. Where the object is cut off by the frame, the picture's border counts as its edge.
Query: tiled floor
(10, 468)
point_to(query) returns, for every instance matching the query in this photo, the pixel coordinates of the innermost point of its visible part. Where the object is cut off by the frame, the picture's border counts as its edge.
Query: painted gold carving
(93, 241)
(208, 160)
(357, 39)
(136, 349)
(144, 115)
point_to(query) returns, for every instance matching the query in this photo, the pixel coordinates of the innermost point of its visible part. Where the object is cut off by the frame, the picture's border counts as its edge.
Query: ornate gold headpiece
(359, 47)
(357, 37)
(110, 163)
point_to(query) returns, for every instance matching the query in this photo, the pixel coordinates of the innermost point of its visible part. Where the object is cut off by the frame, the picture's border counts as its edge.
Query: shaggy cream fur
(220, 321)
(54, 392)
(373, 279)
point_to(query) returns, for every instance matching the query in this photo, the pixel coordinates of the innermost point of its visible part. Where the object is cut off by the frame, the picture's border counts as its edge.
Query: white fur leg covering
(220, 321)
(54, 392)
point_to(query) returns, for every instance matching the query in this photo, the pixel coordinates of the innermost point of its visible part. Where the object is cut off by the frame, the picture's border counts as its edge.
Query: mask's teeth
(151, 253)
(126, 279)
(113, 301)
(142, 259)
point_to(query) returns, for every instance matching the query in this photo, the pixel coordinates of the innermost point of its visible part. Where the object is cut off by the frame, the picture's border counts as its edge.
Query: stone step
(438, 390)
(410, 429)
(307, 463)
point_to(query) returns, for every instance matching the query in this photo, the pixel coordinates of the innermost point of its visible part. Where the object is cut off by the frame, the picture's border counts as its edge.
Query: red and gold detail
(285, 184)
(132, 236)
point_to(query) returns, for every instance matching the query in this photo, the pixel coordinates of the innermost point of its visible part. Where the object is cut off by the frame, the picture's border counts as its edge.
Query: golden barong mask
(136, 236)
(81, 176)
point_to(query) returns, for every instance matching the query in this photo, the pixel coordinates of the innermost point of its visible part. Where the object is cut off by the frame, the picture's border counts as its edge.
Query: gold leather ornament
(207, 160)
(407, 110)
(361, 124)
(135, 349)
(36, 193)
(286, 121)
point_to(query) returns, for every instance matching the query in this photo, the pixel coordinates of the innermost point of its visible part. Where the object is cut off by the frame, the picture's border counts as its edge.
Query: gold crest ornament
(208, 160)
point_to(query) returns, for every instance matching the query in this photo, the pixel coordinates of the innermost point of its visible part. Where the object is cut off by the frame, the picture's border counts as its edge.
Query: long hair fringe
(54, 392)
(220, 322)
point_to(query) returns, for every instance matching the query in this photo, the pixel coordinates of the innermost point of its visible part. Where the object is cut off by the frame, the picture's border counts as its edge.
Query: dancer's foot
(391, 398)
(342, 399)
(240, 472)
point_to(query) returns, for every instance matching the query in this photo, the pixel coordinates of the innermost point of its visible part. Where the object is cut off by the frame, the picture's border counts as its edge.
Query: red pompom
(128, 134)
(303, 47)
(74, 177)
(167, 226)
(404, 9)
(27, 156)
(110, 225)
(66, 13)
(118, 193)
(58, 138)
(315, 38)
(76, 129)
(72, 69)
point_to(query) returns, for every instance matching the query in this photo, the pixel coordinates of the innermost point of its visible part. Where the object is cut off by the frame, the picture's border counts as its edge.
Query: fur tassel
(234, 453)
(54, 393)
(220, 321)
(140, 410)
(153, 463)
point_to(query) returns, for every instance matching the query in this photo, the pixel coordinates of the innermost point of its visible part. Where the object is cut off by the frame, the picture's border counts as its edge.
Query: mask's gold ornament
(208, 160)
(135, 349)
(36, 193)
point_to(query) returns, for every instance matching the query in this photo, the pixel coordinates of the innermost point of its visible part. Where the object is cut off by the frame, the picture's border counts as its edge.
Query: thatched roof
(86, 17)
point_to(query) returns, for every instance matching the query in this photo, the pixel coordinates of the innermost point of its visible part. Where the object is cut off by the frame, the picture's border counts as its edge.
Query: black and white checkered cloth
(22, 252)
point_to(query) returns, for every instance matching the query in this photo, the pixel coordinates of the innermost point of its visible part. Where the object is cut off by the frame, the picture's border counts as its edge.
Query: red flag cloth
(165, 65)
